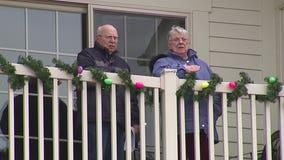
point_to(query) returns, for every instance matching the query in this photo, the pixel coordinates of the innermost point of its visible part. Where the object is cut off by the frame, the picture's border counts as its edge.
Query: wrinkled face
(178, 43)
(108, 38)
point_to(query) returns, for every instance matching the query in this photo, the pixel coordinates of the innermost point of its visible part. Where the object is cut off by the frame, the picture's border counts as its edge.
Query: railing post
(169, 114)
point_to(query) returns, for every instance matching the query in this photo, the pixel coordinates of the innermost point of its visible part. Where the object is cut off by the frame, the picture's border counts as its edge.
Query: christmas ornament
(204, 84)
(232, 85)
(80, 69)
(108, 81)
(139, 85)
(272, 80)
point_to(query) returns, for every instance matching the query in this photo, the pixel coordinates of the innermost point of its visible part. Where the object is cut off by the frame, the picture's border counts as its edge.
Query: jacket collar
(190, 53)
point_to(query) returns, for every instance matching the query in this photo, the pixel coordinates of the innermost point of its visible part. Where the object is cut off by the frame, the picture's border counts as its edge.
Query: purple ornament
(80, 69)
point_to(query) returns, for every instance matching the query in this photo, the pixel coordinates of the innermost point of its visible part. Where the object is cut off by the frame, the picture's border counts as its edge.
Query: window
(43, 34)
(46, 33)
(140, 36)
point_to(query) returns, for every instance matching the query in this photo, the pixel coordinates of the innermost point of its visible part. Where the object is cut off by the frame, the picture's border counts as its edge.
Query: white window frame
(281, 41)
(58, 6)
(92, 7)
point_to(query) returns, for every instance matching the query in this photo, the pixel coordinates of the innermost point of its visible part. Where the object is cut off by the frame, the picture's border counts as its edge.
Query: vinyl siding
(235, 36)
(235, 41)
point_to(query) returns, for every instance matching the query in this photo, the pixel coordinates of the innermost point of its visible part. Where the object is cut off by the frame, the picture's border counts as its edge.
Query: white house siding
(235, 38)
(238, 31)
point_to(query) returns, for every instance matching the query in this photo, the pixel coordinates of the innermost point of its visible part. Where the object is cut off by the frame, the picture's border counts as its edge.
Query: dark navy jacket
(98, 57)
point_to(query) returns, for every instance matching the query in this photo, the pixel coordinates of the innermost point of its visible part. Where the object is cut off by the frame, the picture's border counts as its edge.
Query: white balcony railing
(159, 128)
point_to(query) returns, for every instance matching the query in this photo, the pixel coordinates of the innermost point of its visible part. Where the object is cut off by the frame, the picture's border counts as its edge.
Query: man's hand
(136, 128)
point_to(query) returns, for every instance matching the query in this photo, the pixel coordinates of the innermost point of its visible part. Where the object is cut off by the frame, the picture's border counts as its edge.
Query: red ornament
(80, 69)
(139, 85)
(232, 85)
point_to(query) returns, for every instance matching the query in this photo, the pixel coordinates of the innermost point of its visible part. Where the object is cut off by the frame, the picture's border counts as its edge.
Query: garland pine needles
(41, 72)
(240, 89)
(125, 76)
(272, 91)
(210, 90)
(16, 81)
(76, 81)
(99, 76)
(187, 87)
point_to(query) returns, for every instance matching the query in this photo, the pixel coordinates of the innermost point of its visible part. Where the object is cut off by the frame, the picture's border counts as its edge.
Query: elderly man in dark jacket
(104, 56)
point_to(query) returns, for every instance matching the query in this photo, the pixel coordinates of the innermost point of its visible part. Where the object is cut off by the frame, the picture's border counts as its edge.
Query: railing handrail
(168, 83)
(152, 82)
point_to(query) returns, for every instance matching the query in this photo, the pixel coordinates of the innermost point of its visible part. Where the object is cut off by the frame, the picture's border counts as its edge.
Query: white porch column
(169, 114)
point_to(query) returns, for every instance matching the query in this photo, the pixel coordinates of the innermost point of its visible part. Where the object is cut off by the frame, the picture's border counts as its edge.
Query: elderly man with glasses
(104, 56)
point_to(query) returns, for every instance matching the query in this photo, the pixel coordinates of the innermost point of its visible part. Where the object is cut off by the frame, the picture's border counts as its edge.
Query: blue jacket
(98, 57)
(173, 61)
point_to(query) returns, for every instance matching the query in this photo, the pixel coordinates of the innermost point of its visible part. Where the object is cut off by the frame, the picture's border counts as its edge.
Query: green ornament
(272, 80)
(108, 81)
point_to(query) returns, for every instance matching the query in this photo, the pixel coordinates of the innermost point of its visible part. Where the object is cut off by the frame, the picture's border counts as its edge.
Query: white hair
(178, 29)
(100, 28)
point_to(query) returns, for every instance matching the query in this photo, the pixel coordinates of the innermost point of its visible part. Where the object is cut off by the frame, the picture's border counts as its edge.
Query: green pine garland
(210, 90)
(126, 79)
(76, 81)
(99, 76)
(187, 87)
(240, 89)
(272, 91)
(40, 71)
(16, 81)
(6, 66)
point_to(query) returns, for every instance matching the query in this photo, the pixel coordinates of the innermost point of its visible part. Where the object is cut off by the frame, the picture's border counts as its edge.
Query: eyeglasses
(176, 40)
(110, 37)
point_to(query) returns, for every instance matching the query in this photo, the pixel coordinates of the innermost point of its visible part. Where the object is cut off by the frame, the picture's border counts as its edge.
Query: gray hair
(100, 28)
(178, 29)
